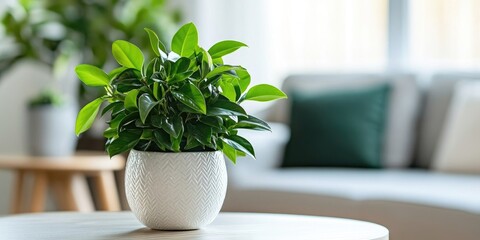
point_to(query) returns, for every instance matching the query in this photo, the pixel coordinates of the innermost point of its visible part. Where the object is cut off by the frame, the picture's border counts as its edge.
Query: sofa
(408, 196)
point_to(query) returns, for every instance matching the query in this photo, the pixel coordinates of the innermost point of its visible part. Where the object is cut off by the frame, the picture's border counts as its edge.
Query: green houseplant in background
(177, 112)
(52, 31)
(61, 34)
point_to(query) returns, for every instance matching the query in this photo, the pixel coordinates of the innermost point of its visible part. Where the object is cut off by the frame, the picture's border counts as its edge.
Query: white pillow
(459, 145)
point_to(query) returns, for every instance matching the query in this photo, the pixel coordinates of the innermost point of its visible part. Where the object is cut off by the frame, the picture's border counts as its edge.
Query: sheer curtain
(298, 35)
(445, 34)
(327, 35)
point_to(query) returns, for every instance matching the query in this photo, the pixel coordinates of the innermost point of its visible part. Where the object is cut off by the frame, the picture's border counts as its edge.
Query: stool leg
(17, 196)
(72, 193)
(107, 191)
(58, 190)
(80, 193)
(39, 190)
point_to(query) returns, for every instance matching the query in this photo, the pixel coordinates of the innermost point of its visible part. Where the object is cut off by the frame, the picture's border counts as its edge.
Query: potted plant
(176, 113)
(50, 124)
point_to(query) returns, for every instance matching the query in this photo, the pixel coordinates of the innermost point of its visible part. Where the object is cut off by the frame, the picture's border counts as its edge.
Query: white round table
(238, 226)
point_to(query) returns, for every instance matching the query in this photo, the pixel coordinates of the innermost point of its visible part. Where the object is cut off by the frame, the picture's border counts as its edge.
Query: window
(328, 35)
(299, 36)
(444, 33)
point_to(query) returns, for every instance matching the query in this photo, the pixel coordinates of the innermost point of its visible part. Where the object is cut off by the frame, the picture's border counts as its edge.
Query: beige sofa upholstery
(415, 204)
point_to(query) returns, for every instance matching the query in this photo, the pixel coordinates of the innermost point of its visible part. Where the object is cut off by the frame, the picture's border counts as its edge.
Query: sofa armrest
(269, 149)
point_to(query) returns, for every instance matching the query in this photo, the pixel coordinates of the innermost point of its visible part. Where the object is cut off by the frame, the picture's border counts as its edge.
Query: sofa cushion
(422, 187)
(402, 112)
(457, 150)
(342, 128)
(437, 102)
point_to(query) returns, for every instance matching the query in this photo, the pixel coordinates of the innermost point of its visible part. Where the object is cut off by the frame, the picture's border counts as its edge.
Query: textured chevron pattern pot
(175, 191)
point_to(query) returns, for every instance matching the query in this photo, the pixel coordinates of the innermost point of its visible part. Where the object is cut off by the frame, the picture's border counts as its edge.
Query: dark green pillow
(338, 129)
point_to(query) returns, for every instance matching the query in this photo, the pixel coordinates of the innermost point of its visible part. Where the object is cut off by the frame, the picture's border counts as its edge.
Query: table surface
(81, 161)
(238, 226)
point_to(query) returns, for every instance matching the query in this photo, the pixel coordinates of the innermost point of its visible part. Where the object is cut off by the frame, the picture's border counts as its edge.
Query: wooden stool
(65, 176)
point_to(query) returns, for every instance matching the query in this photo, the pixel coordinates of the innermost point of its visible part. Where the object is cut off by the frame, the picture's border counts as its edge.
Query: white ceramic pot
(52, 130)
(175, 191)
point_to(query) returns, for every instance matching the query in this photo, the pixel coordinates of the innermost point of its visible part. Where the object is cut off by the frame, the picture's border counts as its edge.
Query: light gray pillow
(457, 150)
(437, 102)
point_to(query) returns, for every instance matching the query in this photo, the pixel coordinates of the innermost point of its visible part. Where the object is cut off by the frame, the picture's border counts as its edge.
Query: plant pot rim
(139, 151)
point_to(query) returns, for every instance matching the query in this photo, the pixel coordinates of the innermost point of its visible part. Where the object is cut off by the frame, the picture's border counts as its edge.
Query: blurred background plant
(47, 98)
(56, 32)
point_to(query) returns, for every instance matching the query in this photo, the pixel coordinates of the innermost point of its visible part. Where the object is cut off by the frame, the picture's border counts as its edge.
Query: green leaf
(126, 141)
(180, 66)
(176, 141)
(112, 106)
(145, 104)
(185, 40)
(229, 151)
(236, 91)
(115, 122)
(115, 72)
(127, 54)
(211, 81)
(192, 143)
(240, 144)
(147, 134)
(192, 97)
(201, 132)
(215, 122)
(92, 76)
(251, 122)
(139, 124)
(143, 145)
(127, 120)
(160, 77)
(163, 48)
(179, 77)
(154, 41)
(241, 154)
(206, 62)
(87, 115)
(224, 107)
(179, 70)
(223, 48)
(162, 139)
(263, 93)
(228, 90)
(156, 120)
(127, 80)
(150, 68)
(218, 61)
(131, 99)
(155, 90)
(222, 70)
(244, 79)
(110, 133)
(172, 125)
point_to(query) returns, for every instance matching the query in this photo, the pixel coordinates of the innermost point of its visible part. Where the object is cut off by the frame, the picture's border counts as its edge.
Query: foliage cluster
(186, 99)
